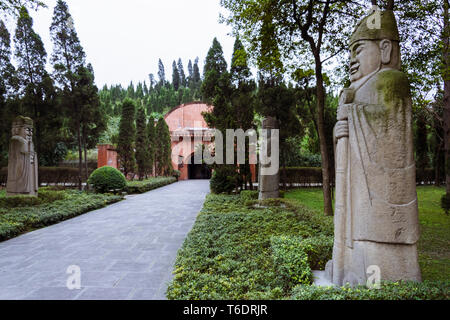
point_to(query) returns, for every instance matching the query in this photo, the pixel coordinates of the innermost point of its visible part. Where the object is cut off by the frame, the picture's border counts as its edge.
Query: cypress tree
(243, 100)
(142, 144)
(68, 58)
(127, 133)
(175, 76)
(181, 72)
(163, 149)
(151, 134)
(190, 72)
(161, 73)
(196, 72)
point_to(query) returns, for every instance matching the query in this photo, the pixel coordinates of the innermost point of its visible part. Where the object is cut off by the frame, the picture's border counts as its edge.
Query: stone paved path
(124, 251)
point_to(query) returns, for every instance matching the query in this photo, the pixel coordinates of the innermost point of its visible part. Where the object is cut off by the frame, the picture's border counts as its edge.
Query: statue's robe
(379, 222)
(22, 170)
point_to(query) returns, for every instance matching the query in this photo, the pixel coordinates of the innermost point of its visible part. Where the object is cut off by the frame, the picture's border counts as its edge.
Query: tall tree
(152, 140)
(7, 84)
(190, 72)
(142, 144)
(31, 74)
(302, 29)
(163, 152)
(161, 73)
(175, 76)
(13, 7)
(243, 100)
(127, 134)
(181, 72)
(196, 72)
(67, 59)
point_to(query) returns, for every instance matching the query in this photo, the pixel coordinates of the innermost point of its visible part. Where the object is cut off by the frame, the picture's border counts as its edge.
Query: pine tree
(161, 73)
(181, 72)
(142, 144)
(196, 72)
(93, 119)
(7, 76)
(243, 100)
(190, 73)
(175, 76)
(163, 149)
(68, 58)
(7, 70)
(151, 134)
(127, 133)
(32, 78)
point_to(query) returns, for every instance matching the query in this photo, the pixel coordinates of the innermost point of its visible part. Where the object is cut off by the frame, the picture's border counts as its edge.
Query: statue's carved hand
(343, 111)
(341, 129)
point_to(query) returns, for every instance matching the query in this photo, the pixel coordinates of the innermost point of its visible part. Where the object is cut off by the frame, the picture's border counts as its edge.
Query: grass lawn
(434, 243)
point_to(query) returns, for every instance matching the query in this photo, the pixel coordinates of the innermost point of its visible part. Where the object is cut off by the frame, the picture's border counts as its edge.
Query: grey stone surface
(376, 218)
(269, 175)
(124, 251)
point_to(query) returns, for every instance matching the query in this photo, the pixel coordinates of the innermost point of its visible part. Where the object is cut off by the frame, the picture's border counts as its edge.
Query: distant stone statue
(22, 160)
(376, 215)
(269, 177)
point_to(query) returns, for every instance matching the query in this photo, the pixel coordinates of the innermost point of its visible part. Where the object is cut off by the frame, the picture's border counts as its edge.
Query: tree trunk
(80, 157)
(446, 77)
(320, 90)
(86, 173)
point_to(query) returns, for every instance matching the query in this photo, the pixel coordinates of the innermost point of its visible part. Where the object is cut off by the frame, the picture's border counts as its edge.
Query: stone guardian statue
(22, 160)
(376, 213)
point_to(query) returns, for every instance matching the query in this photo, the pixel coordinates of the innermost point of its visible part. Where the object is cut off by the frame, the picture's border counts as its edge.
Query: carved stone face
(365, 58)
(19, 131)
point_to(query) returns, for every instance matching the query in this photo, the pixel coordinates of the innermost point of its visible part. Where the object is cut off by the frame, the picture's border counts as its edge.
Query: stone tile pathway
(124, 251)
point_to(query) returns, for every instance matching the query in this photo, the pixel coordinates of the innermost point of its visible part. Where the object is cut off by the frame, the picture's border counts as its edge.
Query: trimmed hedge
(291, 261)
(136, 187)
(45, 195)
(428, 290)
(14, 221)
(50, 175)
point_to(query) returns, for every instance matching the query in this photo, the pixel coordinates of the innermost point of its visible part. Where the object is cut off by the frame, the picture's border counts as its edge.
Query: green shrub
(176, 174)
(44, 196)
(319, 250)
(224, 180)
(135, 187)
(445, 203)
(428, 290)
(107, 179)
(249, 195)
(14, 221)
(290, 260)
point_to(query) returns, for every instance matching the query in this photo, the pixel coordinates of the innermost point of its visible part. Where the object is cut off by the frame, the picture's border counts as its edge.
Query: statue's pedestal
(320, 279)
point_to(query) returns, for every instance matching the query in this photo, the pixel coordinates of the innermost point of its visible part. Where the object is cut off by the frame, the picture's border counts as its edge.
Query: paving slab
(124, 251)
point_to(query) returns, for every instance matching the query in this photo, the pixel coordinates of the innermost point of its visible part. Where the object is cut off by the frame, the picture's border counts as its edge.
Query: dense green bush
(228, 253)
(291, 261)
(224, 180)
(247, 195)
(45, 195)
(428, 290)
(445, 203)
(319, 250)
(176, 174)
(143, 186)
(107, 179)
(14, 221)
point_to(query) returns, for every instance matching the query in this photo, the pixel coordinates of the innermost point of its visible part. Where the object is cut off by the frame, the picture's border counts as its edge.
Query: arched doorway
(198, 171)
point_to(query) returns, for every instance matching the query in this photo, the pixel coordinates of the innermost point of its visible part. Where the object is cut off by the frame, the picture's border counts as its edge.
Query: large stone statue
(22, 160)
(376, 216)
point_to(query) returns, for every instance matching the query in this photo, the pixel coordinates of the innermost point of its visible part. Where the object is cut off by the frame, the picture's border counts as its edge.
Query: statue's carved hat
(366, 29)
(21, 121)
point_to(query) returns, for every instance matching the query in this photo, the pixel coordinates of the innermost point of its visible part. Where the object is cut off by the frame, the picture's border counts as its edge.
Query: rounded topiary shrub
(107, 179)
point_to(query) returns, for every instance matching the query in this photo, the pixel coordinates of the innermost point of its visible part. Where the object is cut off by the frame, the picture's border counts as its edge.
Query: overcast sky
(124, 39)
